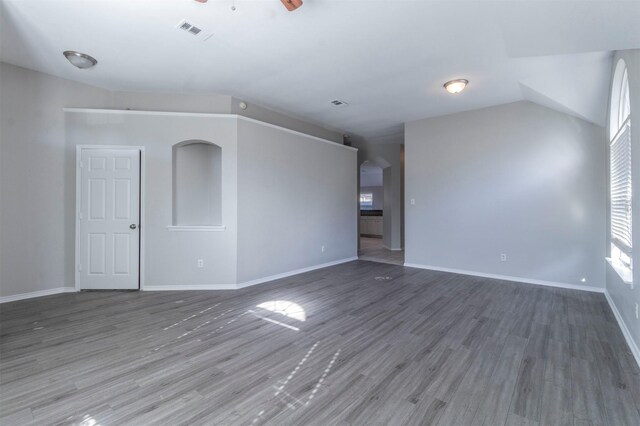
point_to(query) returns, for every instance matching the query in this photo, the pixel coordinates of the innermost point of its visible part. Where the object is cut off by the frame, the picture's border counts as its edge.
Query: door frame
(141, 226)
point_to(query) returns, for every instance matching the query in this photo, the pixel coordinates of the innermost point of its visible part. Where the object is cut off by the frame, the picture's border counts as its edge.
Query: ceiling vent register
(192, 29)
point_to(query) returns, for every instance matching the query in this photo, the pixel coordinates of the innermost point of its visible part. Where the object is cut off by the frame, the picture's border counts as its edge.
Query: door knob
(132, 226)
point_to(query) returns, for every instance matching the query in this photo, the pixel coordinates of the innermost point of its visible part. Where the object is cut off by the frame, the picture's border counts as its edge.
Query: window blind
(621, 188)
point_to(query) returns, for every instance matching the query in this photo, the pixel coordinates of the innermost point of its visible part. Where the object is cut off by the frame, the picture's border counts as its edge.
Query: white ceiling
(387, 59)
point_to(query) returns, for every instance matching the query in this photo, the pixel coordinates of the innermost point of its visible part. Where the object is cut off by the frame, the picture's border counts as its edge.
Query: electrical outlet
(503, 257)
(200, 263)
(413, 201)
(636, 310)
(322, 249)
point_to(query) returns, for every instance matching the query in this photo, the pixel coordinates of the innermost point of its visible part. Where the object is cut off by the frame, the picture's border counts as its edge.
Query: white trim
(627, 121)
(200, 228)
(508, 278)
(295, 272)
(143, 112)
(623, 327)
(210, 115)
(246, 283)
(391, 249)
(39, 293)
(141, 263)
(625, 273)
(76, 262)
(190, 287)
(142, 227)
(295, 132)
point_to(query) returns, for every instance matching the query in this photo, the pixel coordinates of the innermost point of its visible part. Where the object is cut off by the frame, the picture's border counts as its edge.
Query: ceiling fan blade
(291, 5)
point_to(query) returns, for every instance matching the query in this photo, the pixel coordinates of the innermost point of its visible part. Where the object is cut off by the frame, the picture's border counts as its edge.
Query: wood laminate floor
(372, 249)
(360, 343)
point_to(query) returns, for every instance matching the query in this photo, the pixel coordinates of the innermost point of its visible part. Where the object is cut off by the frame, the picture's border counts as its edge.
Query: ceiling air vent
(190, 28)
(338, 102)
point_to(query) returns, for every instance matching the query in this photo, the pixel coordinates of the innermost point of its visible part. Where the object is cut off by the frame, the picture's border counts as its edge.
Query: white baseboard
(295, 272)
(391, 249)
(246, 283)
(623, 326)
(38, 293)
(189, 287)
(508, 278)
(59, 290)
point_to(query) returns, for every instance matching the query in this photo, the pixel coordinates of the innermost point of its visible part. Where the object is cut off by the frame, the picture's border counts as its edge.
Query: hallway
(372, 249)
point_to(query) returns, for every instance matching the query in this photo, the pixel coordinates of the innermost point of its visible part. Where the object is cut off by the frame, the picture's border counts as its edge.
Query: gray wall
(518, 179)
(174, 102)
(37, 179)
(623, 296)
(289, 204)
(37, 171)
(279, 119)
(378, 196)
(170, 257)
(197, 179)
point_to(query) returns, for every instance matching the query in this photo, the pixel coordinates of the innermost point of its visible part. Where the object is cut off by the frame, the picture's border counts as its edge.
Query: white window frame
(621, 250)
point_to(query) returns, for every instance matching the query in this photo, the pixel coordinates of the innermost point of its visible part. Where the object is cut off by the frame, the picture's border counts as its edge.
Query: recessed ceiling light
(79, 60)
(456, 86)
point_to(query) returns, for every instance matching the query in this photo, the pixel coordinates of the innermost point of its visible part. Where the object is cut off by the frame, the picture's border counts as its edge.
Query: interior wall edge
(207, 114)
(295, 272)
(34, 294)
(623, 327)
(197, 287)
(508, 278)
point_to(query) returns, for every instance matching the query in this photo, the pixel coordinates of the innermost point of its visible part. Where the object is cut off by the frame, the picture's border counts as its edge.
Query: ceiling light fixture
(79, 60)
(456, 86)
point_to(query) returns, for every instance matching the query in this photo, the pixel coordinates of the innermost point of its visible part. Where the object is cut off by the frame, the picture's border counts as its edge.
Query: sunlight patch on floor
(286, 308)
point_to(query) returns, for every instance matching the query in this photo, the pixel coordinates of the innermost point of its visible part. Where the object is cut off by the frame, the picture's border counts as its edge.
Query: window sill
(195, 228)
(626, 274)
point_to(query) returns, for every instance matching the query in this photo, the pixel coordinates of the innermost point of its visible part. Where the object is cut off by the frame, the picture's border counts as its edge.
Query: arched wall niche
(197, 183)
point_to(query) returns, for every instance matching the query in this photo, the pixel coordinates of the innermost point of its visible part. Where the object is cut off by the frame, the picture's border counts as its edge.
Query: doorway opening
(375, 213)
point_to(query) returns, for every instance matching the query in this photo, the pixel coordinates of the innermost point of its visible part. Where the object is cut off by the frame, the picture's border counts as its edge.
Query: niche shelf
(197, 187)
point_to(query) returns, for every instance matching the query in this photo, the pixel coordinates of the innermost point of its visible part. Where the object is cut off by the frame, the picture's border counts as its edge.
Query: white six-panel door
(108, 217)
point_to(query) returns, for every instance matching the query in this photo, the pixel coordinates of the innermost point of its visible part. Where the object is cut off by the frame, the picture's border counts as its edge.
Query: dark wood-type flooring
(379, 344)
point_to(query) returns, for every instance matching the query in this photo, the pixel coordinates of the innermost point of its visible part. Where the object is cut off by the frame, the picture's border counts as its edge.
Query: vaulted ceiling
(386, 59)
